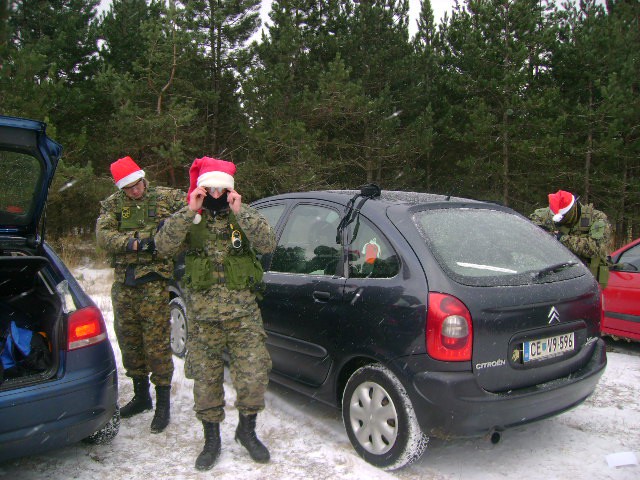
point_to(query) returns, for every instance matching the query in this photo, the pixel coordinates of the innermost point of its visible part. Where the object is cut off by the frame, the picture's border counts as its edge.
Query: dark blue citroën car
(58, 382)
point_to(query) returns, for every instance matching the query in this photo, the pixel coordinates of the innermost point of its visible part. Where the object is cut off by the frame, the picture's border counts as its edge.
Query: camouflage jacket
(114, 239)
(589, 238)
(172, 236)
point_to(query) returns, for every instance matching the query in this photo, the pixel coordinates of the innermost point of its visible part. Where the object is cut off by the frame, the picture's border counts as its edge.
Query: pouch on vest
(600, 270)
(198, 272)
(243, 271)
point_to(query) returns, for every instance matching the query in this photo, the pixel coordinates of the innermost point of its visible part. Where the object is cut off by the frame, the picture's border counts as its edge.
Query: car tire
(379, 419)
(179, 329)
(106, 433)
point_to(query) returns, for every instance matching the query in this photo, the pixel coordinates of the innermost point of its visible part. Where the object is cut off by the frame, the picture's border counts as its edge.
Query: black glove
(146, 245)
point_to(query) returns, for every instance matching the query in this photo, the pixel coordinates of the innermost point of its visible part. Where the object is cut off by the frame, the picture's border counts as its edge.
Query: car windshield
(485, 247)
(19, 185)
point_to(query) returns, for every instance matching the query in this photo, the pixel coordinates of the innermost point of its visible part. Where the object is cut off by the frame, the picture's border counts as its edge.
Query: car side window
(308, 242)
(272, 213)
(631, 256)
(371, 254)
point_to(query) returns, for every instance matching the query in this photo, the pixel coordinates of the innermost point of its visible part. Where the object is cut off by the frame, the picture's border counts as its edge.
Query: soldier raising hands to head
(220, 236)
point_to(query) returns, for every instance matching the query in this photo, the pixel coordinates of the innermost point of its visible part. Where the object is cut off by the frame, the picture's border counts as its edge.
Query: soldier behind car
(581, 228)
(222, 278)
(125, 228)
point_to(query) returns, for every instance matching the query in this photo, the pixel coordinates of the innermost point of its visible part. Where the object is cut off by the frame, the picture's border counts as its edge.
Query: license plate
(544, 348)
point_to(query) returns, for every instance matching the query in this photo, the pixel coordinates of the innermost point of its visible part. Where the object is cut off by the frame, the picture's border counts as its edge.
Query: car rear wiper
(553, 269)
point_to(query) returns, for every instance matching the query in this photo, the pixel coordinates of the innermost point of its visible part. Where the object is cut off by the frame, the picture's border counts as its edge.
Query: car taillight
(449, 329)
(85, 327)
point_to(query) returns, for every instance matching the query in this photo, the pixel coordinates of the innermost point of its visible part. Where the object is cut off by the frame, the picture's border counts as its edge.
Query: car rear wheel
(379, 418)
(106, 433)
(178, 327)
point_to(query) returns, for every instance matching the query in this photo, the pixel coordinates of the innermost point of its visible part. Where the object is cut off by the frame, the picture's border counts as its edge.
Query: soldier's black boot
(211, 450)
(246, 436)
(163, 401)
(141, 400)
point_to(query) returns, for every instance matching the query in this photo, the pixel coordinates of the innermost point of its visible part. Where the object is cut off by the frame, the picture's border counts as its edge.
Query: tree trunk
(589, 152)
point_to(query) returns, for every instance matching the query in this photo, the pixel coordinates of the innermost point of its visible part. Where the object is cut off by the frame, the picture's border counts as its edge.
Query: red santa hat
(125, 172)
(212, 173)
(560, 203)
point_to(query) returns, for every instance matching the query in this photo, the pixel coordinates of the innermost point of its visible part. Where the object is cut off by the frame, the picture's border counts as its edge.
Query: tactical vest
(238, 268)
(583, 226)
(138, 217)
(598, 266)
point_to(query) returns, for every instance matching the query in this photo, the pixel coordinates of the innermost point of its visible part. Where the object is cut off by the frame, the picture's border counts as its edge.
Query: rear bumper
(452, 404)
(54, 414)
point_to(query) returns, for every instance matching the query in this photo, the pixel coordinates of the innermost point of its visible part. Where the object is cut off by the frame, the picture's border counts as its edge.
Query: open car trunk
(30, 320)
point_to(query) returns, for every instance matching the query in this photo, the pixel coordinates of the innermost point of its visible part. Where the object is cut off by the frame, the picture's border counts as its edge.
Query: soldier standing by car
(125, 228)
(581, 228)
(222, 278)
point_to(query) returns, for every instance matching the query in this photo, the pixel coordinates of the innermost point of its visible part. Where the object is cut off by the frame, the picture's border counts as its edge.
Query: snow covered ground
(307, 439)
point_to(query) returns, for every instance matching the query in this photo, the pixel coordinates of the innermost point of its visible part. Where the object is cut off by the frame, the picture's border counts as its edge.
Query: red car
(621, 298)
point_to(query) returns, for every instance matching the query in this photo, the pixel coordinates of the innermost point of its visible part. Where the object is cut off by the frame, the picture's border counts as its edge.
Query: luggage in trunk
(30, 310)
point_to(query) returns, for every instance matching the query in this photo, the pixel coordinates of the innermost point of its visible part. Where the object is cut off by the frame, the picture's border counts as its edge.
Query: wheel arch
(347, 369)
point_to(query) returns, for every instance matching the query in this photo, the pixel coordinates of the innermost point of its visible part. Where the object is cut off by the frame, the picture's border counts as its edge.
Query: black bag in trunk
(23, 350)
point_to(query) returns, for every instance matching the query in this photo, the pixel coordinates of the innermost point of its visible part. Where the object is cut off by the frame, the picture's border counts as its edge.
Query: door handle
(321, 296)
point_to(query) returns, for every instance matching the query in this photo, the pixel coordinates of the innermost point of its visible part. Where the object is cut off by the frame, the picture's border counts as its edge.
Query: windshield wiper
(553, 269)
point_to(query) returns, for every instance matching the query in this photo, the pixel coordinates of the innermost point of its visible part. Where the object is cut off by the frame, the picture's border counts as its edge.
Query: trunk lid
(28, 159)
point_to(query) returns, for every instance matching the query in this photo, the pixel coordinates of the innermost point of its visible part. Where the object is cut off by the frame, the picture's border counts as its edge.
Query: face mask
(215, 205)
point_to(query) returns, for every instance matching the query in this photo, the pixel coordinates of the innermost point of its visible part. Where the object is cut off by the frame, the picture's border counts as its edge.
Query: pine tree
(48, 62)
(220, 30)
(496, 58)
(146, 79)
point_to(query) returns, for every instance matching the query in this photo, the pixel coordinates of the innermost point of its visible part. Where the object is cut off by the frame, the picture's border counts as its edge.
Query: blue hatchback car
(58, 382)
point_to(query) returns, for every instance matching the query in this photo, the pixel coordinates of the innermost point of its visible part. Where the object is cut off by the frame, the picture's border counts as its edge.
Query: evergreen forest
(502, 100)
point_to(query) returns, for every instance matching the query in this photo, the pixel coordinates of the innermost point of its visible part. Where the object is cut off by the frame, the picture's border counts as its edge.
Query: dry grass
(78, 251)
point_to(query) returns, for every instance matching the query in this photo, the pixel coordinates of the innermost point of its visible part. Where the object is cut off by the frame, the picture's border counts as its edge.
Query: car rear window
(18, 185)
(485, 247)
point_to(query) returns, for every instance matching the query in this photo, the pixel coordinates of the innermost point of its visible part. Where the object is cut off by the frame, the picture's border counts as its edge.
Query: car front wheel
(379, 418)
(178, 327)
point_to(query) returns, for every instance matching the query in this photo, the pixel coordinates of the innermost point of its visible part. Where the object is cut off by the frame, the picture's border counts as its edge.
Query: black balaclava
(215, 205)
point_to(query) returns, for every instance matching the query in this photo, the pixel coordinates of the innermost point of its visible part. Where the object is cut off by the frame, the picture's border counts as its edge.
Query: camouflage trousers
(219, 320)
(143, 329)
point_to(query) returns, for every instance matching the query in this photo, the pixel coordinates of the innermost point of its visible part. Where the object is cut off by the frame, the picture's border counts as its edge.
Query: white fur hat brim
(216, 180)
(129, 179)
(557, 218)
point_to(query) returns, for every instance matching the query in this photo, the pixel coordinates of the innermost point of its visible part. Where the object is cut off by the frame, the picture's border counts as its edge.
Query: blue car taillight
(85, 327)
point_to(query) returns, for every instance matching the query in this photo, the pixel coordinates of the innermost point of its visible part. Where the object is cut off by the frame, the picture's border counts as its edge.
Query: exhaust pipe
(495, 437)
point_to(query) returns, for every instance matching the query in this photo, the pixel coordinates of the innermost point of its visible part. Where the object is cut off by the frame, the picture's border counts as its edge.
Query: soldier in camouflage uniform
(222, 277)
(125, 228)
(581, 228)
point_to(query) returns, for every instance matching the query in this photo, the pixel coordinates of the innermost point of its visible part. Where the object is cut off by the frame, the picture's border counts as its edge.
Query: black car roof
(391, 196)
